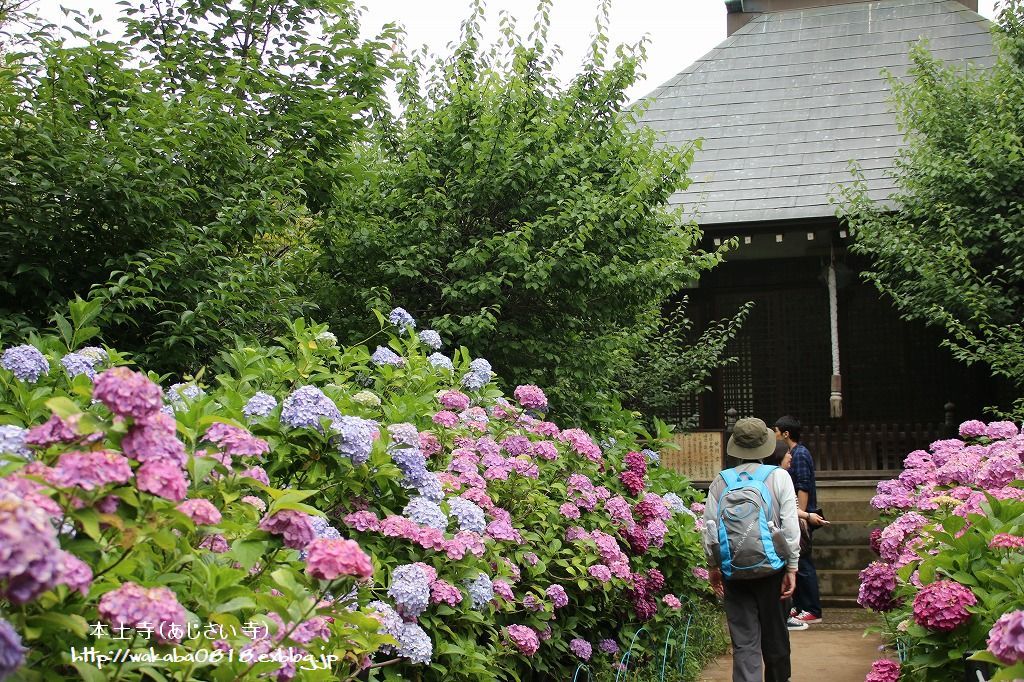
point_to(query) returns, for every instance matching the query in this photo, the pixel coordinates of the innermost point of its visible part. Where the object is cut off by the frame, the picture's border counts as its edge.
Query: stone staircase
(841, 550)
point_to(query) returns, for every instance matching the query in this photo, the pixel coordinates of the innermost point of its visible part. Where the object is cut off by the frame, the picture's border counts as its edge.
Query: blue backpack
(750, 539)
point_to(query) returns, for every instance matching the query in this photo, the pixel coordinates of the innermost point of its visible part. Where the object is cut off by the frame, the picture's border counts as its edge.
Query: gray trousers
(757, 626)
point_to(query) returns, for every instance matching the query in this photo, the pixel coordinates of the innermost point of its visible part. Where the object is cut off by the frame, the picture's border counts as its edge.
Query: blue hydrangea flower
(386, 356)
(25, 362)
(414, 643)
(405, 434)
(75, 364)
(260, 405)
(441, 361)
(411, 462)
(426, 513)
(401, 319)
(480, 589)
(480, 366)
(12, 441)
(180, 394)
(676, 504)
(410, 589)
(323, 528)
(305, 407)
(390, 622)
(652, 456)
(354, 437)
(474, 381)
(431, 339)
(469, 515)
(429, 486)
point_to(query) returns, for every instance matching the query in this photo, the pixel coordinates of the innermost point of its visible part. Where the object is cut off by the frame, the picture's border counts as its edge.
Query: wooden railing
(866, 450)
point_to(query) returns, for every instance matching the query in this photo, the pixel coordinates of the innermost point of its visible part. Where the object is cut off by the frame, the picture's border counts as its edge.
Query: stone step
(842, 557)
(830, 601)
(844, 533)
(848, 510)
(838, 583)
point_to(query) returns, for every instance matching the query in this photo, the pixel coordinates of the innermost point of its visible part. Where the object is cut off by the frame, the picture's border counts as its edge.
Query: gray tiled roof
(787, 101)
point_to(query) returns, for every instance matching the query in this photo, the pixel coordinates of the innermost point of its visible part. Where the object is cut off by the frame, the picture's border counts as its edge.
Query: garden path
(836, 650)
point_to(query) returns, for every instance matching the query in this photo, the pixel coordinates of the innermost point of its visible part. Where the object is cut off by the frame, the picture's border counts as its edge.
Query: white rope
(836, 398)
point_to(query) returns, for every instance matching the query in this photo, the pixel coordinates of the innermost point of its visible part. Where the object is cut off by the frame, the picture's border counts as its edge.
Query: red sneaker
(807, 617)
(793, 612)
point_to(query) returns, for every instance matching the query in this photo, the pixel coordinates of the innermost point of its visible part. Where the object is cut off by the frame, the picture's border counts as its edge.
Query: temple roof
(791, 98)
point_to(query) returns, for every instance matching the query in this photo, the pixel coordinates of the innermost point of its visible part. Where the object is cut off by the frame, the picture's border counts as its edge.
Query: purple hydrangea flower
(581, 648)
(75, 364)
(942, 605)
(390, 621)
(386, 356)
(260, 405)
(480, 589)
(12, 441)
(410, 588)
(180, 394)
(468, 514)
(127, 393)
(134, 605)
(25, 362)
(30, 558)
(12, 653)
(556, 593)
(1006, 638)
(877, 583)
(441, 361)
(608, 646)
(294, 526)
(652, 456)
(414, 643)
(430, 339)
(306, 406)
(354, 437)
(401, 319)
(426, 513)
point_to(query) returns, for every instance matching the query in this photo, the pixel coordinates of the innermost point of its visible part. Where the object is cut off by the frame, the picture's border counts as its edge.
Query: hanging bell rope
(835, 401)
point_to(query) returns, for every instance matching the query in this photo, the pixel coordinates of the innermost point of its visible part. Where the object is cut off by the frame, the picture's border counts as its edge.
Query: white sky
(680, 31)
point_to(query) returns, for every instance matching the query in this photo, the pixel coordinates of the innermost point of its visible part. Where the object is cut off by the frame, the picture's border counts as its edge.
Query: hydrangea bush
(950, 576)
(315, 511)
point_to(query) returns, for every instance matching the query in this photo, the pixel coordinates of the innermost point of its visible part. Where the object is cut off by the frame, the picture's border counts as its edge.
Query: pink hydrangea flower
(329, 559)
(362, 521)
(531, 397)
(255, 502)
(162, 479)
(556, 593)
(503, 589)
(581, 442)
(53, 431)
(74, 573)
(972, 429)
(942, 605)
(90, 470)
(155, 438)
(524, 639)
(455, 400)
(202, 512)
(1003, 430)
(601, 572)
(446, 418)
(672, 601)
(569, 510)
(877, 585)
(236, 441)
(257, 473)
(132, 605)
(215, 542)
(429, 444)
(294, 526)
(581, 648)
(443, 592)
(701, 573)
(1006, 541)
(128, 393)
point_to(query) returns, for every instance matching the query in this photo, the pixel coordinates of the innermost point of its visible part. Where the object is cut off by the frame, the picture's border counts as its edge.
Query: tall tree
(174, 172)
(948, 247)
(524, 219)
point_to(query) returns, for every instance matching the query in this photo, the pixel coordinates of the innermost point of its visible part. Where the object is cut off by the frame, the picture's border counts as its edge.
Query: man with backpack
(752, 541)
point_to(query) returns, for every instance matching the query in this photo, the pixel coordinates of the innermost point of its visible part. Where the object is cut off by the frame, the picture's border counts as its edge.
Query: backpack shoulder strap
(763, 472)
(730, 476)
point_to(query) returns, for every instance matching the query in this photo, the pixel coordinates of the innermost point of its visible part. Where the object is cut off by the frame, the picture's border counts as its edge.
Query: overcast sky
(680, 31)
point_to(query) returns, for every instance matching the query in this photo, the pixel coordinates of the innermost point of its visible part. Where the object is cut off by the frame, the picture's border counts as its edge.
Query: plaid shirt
(802, 472)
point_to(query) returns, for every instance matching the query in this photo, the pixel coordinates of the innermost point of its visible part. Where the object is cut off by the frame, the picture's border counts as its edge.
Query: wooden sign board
(699, 456)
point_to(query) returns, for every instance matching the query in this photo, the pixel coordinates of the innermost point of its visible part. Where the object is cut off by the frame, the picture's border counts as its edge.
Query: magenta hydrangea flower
(155, 438)
(524, 639)
(942, 605)
(883, 670)
(531, 397)
(581, 648)
(132, 605)
(54, 430)
(74, 573)
(443, 592)
(446, 418)
(632, 482)
(328, 559)
(454, 400)
(29, 553)
(545, 450)
(1006, 541)
(701, 573)
(128, 393)
(1003, 430)
(294, 526)
(877, 585)
(1006, 638)
(236, 441)
(896, 534)
(90, 470)
(162, 479)
(202, 512)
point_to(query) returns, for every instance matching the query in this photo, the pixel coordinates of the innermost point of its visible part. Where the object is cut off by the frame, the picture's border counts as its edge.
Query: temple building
(794, 94)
